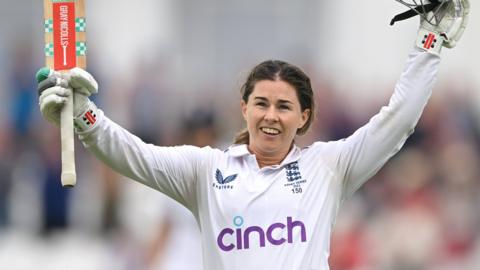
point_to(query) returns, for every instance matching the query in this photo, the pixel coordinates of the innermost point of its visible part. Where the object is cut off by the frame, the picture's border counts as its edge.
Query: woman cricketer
(265, 203)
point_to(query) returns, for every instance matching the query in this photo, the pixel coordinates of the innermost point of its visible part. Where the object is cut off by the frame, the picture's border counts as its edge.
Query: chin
(270, 147)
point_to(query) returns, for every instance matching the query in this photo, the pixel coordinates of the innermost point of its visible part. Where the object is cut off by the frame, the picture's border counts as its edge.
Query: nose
(271, 115)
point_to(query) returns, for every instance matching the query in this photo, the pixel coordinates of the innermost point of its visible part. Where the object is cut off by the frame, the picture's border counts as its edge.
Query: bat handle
(69, 177)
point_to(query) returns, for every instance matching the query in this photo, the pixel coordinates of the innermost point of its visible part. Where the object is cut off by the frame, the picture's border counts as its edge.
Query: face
(273, 115)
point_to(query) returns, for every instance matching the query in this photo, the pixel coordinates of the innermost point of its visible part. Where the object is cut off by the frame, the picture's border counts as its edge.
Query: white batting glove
(54, 88)
(443, 27)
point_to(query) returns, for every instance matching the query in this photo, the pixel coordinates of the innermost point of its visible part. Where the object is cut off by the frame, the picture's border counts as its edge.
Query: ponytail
(243, 137)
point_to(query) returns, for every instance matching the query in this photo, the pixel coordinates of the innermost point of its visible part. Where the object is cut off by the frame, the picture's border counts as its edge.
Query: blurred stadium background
(170, 72)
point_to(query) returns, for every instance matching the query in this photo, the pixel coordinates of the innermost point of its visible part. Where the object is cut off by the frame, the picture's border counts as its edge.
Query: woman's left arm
(369, 148)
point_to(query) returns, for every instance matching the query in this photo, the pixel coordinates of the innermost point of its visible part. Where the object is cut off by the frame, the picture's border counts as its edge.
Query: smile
(270, 131)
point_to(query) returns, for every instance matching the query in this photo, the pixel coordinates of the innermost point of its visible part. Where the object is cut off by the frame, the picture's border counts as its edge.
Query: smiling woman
(242, 196)
(292, 77)
(274, 116)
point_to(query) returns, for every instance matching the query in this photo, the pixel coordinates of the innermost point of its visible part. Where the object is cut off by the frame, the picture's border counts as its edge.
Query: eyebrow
(279, 101)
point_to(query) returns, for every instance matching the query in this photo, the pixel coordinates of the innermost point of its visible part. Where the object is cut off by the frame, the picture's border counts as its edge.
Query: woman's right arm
(170, 170)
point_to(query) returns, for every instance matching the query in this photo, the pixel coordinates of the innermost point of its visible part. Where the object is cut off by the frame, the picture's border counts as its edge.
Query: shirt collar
(238, 150)
(241, 150)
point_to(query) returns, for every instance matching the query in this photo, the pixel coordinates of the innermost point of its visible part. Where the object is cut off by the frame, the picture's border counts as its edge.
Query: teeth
(270, 131)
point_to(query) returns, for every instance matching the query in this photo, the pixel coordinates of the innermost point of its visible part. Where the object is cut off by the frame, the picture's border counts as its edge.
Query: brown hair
(274, 70)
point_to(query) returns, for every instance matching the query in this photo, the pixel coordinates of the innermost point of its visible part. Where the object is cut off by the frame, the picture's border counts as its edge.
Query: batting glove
(443, 27)
(442, 22)
(54, 88)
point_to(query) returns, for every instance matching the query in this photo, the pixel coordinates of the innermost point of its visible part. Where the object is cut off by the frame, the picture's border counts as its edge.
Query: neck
(269, 159)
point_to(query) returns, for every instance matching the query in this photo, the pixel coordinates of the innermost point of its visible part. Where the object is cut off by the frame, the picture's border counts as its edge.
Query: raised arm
(362, 154)
(171, 170)
(366, 151)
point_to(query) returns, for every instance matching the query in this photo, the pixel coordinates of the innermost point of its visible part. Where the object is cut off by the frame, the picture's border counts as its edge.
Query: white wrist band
(429, 41)
(86, 120)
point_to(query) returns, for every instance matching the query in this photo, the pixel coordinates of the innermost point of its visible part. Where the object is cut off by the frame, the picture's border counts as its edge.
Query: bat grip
(69, 177)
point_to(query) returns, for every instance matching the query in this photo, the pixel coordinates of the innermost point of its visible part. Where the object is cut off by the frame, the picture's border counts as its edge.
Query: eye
(261, 103)
(284, 107)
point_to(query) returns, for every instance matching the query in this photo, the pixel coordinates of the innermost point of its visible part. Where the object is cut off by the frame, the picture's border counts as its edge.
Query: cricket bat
(65, 48)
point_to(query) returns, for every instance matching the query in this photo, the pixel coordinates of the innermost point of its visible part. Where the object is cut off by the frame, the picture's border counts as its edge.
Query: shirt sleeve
(170, 170)
(363, 153)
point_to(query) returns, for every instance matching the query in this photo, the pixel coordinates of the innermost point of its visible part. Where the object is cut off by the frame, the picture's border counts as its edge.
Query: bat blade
(65, 48)
(65, 34)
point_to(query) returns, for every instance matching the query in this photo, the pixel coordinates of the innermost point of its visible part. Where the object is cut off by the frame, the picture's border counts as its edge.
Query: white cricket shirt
(277, 217)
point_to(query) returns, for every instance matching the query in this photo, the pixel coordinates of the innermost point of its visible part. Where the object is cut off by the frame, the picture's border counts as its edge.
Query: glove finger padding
(448, 23)
(458, 22)
(51, 102)
(82, 81)
(55, 88)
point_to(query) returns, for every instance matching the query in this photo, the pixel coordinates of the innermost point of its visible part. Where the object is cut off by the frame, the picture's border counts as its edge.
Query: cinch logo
(239, 238)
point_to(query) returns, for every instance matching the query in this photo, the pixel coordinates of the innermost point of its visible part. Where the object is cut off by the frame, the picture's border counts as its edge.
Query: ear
(305, 116)
(243, 105)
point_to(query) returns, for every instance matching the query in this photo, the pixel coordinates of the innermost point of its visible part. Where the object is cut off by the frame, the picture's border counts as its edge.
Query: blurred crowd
(419, 212)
